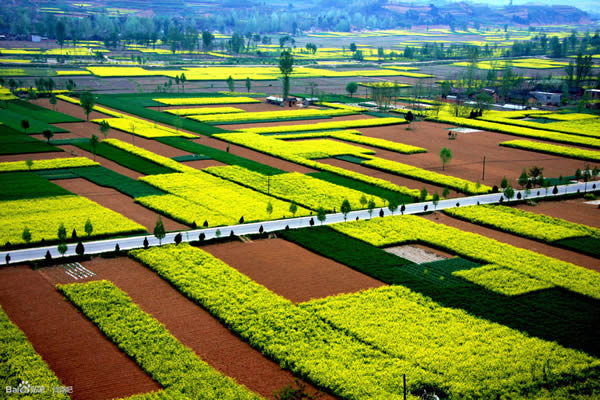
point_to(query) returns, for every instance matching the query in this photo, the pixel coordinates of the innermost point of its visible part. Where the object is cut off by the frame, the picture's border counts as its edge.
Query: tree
(48, 134)
(578, 174)
(393, 205)
(371, 207)
(104, 128)
(504, 183)
(53, 101)
(409, 117)
(445, 156)
(79, 249)
(62, 249)
(178, 238)
(535, 172)
(26, 235)
(146, 243)
(25, 125)
(435, 200)
(293, 208)
(351, 88)
(363, 201)
(353, 47)
(74, 234)
(29, 163)
(248, 84)
(88, 102)
(60, 34)
(62, 233)
(402, 208)
(321, 214)
(286, 66)
(269, 208)
(445, 192)
(423, 194)
(182, 79)
(207, 39)
(159, 231)
(231, 83)
(94, 144)
(345, 208)
(523, 179)
(509, 192)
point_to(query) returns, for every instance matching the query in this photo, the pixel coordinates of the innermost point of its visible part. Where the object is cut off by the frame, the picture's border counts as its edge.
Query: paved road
(135, 242)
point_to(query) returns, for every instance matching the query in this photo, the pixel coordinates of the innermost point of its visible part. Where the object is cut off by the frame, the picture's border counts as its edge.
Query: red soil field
(290, 270)
(468, 151)
(117, 201)
(517, 241)
(191, 325)
(70, 109)
(73, 347)
(574, 210)
(34, 156)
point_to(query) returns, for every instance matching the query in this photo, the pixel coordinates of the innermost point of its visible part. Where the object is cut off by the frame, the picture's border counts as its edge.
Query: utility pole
(483, 176)
(269, 185)
(404, 379)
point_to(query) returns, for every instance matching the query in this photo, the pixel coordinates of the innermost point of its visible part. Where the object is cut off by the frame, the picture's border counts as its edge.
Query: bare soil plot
(468, 151)
(254, 155)
(117, 201)
(34, 156)
(574, 210)
(73, 347)
(416, 254)
(193, 326)
(290, 270)
(69, 108)
(538, 247)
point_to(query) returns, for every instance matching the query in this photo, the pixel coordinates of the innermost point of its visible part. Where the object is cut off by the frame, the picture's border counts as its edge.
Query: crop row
(54, 163)
(155, 158)
(28, 185)
(271, 146)
(269, 116)
(502, 280)
(570, 127)
(400, 229)
(355, 137)
(571, 152)
(297, 339)
(42, 216)
(174, 366)
(464, 356)
(204, 110)
(203, 197)
(520, 131)
(341, 106)
(182, 101)
(411, 171)
(142, 128)
(22, 366)
(302, 189)
(522, 223)
(321, 126)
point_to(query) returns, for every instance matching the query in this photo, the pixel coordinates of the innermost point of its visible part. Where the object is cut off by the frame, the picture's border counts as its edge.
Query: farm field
(188, 234)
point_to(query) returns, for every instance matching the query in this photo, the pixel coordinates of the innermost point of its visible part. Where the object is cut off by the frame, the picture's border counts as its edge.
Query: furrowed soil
(517, 241)
(290, 270)
(117, 201)
(78, 353)
(190, 324)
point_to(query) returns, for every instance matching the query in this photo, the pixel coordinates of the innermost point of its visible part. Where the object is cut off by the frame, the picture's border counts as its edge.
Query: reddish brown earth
(73, 347)
(70, 109)
(189, 323)
(538, 247)
(290, 270)
(468, 151)
(117, 201)
(574, 210)
(253, 155)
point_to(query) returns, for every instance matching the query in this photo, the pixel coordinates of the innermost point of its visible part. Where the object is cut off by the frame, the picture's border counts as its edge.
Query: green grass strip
(13, 119)
(43, 114)
(108, 178)
(219, 155)
(174, 366)
(27, 185)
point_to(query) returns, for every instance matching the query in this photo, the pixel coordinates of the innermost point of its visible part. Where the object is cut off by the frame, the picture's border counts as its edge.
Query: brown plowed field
(70, 109)
(73, 347)
(192, 325)
(574, 210)
(468, 151)
(290, 270)
(117, 201)
(538, 247)
(34, 156)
